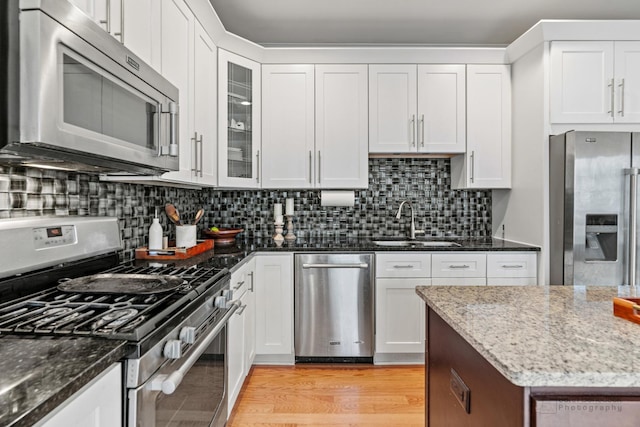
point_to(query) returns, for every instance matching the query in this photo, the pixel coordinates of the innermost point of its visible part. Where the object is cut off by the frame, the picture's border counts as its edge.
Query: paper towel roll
(337, 198)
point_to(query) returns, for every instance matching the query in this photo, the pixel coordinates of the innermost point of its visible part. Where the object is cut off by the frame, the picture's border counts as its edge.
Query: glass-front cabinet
(239, 123)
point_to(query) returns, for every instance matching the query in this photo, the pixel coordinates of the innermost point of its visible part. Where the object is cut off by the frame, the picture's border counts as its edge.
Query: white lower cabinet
(241, 330)
(274, 308)
(98, 404)
(512, 268)
(400, 313)
(459, 268)
(399, 316)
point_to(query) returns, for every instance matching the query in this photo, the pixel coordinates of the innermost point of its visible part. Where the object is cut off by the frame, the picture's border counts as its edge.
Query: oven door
(94, 107)
(190, 391)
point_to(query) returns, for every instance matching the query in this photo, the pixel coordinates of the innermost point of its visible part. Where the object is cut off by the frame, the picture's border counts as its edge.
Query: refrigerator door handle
(633, 225)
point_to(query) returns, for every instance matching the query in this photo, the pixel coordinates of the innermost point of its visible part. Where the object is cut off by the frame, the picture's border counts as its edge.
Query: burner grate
(126, 316)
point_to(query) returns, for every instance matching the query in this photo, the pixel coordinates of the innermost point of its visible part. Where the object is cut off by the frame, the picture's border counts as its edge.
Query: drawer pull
(239, 285)
(456, 267)
(512, 266)
(403, 266)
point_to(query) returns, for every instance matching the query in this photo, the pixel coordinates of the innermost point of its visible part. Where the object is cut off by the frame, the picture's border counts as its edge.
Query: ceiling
(425, 22)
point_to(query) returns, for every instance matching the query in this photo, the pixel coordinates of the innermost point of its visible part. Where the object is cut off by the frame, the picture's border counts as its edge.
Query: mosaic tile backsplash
(439, 210)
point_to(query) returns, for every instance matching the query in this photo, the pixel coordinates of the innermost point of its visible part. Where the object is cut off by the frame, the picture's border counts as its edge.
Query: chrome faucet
(412, 231)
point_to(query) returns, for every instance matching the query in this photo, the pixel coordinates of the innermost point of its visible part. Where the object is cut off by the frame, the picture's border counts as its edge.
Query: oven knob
(220, 302)
(228, 294)
(173, 349)
(188, 335)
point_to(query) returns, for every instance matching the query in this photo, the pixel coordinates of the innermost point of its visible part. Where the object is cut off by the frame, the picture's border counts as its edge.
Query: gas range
(62, 277)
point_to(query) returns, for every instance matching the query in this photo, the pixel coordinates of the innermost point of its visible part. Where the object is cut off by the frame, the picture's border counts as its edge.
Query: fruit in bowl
(222, 236)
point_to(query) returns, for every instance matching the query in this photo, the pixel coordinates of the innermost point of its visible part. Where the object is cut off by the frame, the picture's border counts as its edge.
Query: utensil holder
(185, 236)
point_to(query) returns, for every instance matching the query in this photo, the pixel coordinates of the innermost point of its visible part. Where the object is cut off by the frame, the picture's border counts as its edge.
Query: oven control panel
(51, 237)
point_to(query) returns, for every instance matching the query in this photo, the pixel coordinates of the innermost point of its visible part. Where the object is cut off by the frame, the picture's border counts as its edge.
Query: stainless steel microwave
(73, 97)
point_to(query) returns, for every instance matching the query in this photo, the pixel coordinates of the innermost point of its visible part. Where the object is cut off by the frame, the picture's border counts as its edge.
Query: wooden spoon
(172, 213)
(198, 216)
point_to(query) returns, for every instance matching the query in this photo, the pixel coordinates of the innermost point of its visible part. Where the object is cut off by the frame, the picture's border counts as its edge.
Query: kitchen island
(538, 356)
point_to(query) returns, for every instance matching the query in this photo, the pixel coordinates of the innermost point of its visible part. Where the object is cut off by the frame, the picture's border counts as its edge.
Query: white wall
(523, 209)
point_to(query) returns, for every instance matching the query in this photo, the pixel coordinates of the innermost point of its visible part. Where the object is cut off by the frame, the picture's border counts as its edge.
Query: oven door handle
(169, 383)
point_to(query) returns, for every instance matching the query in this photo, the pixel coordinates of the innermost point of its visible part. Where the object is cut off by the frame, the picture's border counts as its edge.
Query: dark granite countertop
(40, 373)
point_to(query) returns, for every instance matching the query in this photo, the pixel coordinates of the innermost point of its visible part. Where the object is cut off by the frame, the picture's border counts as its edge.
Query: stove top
(119, 315)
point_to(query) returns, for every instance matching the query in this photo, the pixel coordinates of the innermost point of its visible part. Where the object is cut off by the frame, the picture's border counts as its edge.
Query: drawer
(510, 264)
(459, 265)
(459, 281)
(511, 281)
(403, 264)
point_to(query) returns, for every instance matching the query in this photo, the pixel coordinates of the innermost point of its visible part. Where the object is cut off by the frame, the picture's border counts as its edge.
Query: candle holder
(278, 238)
(290, 235)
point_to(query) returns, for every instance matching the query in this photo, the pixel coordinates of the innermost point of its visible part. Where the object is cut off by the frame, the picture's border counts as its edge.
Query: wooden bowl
(224, 236)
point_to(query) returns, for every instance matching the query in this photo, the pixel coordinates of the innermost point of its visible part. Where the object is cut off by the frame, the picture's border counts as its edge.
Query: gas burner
(114, 318)
(53, 315)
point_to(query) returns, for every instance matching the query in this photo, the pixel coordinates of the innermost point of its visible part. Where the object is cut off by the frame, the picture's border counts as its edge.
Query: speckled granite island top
(538, 336)
(37, 375)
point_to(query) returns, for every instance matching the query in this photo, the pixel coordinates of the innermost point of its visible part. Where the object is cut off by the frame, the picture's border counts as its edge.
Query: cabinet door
(204, 91)
(627, 71)
(581, 82)
(441, 109)
(98, 404)
(399, 316)
(177, 55)
(141, 30)
(274, 305)
(392, 108)
(239, 121)
(288, 126)
(487, 161)
(341, 126)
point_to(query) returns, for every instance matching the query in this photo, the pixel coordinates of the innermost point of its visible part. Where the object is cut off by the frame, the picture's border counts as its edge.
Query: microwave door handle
(169, 383)
(173, 129)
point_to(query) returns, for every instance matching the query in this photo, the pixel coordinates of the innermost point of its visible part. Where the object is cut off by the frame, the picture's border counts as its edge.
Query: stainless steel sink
(415, 243)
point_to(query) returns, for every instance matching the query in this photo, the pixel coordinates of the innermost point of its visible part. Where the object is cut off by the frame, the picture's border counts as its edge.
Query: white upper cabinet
(393, 106)
(487, 161)
(203, 92)
(595, 82)
(140, 31)
(239, 121)
(417, 108)
(627, 71)
(441, 108)
(288, 120)
(341, 126)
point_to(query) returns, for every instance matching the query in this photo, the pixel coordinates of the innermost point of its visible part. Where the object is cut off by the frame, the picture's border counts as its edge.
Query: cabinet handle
(611, 97)
(473, 160)
(459, 267)
(107, 20)
(241, 309)
(251, 274)
(239, 285)
(201, 154)
(319, 167)
(258, 167)
(512, 266)
(310, 168)
(412, 130)
(194, 140)
(621, 86)
(422, 130)
(121, 33)
(403, 266)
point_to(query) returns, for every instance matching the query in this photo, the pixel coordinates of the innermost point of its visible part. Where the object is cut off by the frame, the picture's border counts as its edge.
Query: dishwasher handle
(355, 265)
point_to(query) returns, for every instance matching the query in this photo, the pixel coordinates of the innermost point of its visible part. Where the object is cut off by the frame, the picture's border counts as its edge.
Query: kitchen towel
(337, 198)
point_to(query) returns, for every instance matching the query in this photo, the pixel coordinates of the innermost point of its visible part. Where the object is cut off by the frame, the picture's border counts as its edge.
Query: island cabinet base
(462, 388)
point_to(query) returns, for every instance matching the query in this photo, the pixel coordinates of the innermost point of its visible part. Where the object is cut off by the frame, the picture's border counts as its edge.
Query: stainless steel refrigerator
(593, 204)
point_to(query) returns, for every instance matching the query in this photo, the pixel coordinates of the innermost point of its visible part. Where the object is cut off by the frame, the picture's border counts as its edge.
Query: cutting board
(174, 253)
(627, 308)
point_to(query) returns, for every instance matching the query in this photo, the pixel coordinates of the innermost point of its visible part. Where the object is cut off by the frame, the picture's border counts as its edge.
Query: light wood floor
(331, 395)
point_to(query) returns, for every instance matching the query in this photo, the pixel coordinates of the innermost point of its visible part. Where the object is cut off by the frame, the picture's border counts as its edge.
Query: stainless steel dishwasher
(334, 307)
